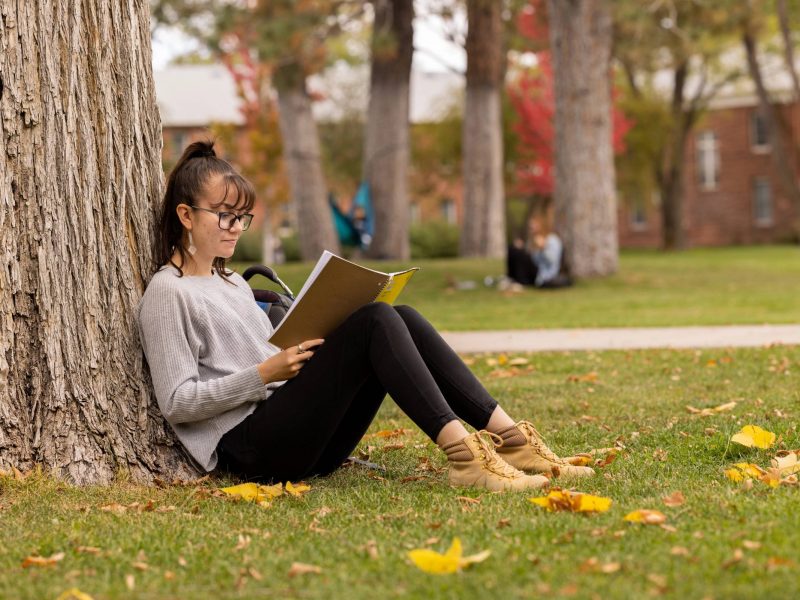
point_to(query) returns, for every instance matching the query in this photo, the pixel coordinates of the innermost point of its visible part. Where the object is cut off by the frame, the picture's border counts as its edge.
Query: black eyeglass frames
(227, 219)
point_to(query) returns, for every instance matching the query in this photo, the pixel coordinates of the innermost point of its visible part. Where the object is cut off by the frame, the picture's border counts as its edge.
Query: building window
(762, 201)
(708, 160)
(415, 214)
(448, 207)
(759, 132)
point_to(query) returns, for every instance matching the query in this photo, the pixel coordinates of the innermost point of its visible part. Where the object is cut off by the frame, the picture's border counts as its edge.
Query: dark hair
(186, 182)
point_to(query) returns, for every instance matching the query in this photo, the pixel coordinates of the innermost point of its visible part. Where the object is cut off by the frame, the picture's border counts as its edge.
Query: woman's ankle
(453, 431)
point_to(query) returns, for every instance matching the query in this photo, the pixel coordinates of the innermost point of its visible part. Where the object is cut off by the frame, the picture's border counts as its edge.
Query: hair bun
(204, 149)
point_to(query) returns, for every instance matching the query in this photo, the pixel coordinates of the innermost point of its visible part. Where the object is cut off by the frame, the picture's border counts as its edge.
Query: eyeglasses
(227, 219)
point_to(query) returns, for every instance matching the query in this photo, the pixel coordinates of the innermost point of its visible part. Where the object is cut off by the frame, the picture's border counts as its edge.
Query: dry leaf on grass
(451, 561)
(299, 568)
(646, 517)
(387, 433)
(674, 499)
(42, 561)
(74, 594)
(710, 412)
(563, 500)
(591, 377)
(592, 565)
(298, 489)
(787, 462)
(753, 436)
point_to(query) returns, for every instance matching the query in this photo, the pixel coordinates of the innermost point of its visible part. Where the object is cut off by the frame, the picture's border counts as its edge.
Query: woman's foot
(474, 462)
(524, 448)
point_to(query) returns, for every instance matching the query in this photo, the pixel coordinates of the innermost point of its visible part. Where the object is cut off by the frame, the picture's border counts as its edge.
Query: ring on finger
(300, 348)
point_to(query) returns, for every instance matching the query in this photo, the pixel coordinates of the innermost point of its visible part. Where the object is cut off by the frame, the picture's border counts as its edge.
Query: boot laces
(537, 442)
(493, 461)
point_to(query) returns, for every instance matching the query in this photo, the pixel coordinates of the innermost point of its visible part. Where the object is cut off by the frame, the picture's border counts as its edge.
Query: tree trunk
(670, 175)
(80, 181)
(301, 152)
(585, 186)
(483, 231)
(779, 151)
(788, 46)
(386, 153)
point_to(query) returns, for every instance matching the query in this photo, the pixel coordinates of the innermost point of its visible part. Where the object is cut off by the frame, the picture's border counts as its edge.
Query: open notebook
(335, 289)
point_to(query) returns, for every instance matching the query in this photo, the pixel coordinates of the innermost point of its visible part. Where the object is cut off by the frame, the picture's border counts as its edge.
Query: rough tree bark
(301, 151)
(386, 143)
(80, 179)
(585, 186)
(483, 232)
(788, 46)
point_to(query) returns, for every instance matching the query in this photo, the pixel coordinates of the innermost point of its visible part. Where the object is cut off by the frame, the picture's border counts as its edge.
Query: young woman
(238, 402)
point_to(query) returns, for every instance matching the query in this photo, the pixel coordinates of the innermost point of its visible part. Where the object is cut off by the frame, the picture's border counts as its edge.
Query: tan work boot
(474, 462)
(524, 448)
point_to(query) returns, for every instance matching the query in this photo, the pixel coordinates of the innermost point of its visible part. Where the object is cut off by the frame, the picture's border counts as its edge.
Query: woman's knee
(377, 311)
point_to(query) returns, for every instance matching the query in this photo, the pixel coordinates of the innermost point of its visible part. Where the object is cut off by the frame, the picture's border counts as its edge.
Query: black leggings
(313, 422)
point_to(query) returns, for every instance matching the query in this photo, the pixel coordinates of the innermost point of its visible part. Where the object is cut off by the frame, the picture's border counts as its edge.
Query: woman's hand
(287, 363)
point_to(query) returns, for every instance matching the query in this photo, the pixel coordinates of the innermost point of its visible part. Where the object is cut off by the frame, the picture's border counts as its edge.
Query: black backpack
(275, 304)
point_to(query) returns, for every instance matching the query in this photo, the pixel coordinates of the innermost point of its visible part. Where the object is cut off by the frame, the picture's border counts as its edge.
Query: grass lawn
(716, 286)
(725, 541)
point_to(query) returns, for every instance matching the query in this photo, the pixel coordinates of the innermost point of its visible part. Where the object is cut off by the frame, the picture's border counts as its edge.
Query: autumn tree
(585, 183)
(686, 41)
(289, 38)
(81, 180)
(386, 150)
(756, 20)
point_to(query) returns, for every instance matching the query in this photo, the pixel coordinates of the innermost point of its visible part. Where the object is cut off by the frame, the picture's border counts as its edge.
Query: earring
(192, 250)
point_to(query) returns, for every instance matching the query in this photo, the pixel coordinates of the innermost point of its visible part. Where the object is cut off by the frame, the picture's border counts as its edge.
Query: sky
(433, 52)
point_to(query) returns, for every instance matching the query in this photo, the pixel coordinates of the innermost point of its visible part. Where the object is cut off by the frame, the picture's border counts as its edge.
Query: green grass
(718, 286)
(639, 399)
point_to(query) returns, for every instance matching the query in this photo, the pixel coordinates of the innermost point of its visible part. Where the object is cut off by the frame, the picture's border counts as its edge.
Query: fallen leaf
(563, 500)
(787, 463)
(646, 517)
(387, 433)
(88, 550)
(299, 568)
(737, 557)
(42, 561)
(751, 545)
(297, 490)
(140, 566)
(451, 561)
(372, 549)
(130, 581)
(674, 499)
(244, 542)
(754, 436)
(590, 377)
(74, 594)
(679, 551)
(710, 412)
(115, 508)
(253, 492)
(774, 562)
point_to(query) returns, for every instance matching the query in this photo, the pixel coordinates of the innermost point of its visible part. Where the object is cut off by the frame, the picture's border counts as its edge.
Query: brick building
(732, 192)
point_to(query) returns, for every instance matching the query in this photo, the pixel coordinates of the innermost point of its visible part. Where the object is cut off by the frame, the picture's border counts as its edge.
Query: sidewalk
(540, 340)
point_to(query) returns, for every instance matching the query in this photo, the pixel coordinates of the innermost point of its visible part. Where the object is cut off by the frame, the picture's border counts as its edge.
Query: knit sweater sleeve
(170, 335)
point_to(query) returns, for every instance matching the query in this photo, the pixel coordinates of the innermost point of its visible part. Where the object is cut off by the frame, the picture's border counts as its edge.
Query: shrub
(434, 239)
(248, 249)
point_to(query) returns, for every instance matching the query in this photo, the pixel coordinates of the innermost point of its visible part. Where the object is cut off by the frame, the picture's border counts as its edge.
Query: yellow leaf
(563, 500)
(647, 517)
(451, 561)
(74, 594)
(252, 492)
(297, 490)
(299, 568)
(750, 470)
(42, 561)
(247, 491)
(734, 475)
(753, 435)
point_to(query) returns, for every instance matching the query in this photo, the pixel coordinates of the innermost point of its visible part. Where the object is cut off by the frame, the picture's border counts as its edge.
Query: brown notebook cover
(339, 289)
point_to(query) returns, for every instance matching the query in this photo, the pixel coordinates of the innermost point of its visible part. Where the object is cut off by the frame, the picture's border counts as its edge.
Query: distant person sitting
(538, 262)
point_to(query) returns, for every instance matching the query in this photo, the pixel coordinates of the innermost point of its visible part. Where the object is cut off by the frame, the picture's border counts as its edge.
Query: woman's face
(209, 239)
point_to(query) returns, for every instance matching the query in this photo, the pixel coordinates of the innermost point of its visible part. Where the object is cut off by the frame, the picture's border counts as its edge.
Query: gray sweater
(203, 338)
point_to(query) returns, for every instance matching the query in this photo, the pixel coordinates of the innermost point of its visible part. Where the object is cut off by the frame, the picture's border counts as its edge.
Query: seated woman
(540, 261)
(236, 401)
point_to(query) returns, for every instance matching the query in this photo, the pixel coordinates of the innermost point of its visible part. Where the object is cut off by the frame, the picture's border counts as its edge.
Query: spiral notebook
(334, 290)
